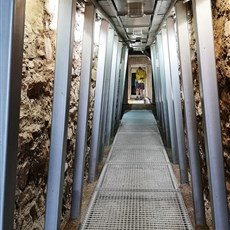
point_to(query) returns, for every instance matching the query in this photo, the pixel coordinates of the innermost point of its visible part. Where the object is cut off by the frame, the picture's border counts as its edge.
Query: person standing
(140, 77)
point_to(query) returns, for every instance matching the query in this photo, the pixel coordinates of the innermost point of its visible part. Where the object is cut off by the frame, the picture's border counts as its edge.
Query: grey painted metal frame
(159, 94)
(97, 123)
(111, 92)
(175, 85)
(12, 16)
(115, 100)
(63, 68)
(210, 103)
(154, 69)
(170, 98)
(163, 89)
(83, 107)
(106, 89)
(122, 81)
(189, 104)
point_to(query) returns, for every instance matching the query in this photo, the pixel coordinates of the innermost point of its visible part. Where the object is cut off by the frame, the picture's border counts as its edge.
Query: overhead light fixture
(186, 1)
(135, 9)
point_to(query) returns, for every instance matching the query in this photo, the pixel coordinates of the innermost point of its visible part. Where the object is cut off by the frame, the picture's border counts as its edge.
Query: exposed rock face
(36, 111)
(221, 25)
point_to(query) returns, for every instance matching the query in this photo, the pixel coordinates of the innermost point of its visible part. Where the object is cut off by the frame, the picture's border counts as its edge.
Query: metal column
(210, 104)
(97, 123)
(83, 107)
(154, 69)
(159, 94)
(63, 68)
(175, 85)
(170, 98)
(106, 87)
(163, 89)
(12, 16)
(187, 81)
(111, 92)
(122, 81)
(115, 99)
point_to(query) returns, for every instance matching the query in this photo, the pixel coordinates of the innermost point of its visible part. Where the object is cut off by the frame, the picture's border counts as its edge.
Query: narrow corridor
(137, 188)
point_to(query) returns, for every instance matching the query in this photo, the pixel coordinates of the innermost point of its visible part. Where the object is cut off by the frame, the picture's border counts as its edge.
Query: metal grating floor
(138, 128)
(137, 210)
(137, 188)
(138, 154)
(142, 139)
(137, 176)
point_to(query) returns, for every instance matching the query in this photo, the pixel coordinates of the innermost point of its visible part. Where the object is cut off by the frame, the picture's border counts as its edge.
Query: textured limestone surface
(36, 111)
(221, 27)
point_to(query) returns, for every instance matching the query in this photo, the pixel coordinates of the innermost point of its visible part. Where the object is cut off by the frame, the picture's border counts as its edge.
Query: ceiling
(136, 21)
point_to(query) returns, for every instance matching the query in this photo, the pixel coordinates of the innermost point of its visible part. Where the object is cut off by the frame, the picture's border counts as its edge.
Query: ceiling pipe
(115, 12)
(173, 2)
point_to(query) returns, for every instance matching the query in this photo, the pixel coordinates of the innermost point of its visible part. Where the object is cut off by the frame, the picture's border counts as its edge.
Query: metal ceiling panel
(139, 31)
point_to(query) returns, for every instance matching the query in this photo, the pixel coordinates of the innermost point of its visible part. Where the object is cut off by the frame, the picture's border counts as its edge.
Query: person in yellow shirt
(140, 77)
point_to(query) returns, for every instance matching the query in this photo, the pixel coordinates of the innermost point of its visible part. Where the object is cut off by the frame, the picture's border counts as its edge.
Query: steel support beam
(108, 65)
(210, 104)
(189, 104)
(170, 98)
(115, 100)
(62, 81)
(83, 108)
(163, 89)
(12, 16)
(155, 80)
(97, 122)
(63, 68)
(122, 81)
(111, 92)
(159, 90)
(175, 85)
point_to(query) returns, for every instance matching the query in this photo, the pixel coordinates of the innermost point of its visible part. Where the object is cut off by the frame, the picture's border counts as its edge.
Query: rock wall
(36, 111)
(221, 25)
(35, 116)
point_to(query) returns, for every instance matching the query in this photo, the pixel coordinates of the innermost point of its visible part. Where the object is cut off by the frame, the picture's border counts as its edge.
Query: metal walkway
(137, 188)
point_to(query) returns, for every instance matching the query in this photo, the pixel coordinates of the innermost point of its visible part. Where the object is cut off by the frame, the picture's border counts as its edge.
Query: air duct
(135, 9)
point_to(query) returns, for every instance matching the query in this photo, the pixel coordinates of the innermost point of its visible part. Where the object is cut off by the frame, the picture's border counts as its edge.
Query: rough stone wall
(35, 116)
(36, 110)
(221, 26)
(221, 23)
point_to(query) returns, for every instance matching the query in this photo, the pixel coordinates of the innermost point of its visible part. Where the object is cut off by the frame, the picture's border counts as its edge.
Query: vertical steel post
(83, 107)
(97, 123)
(154, 69)
(12, 16)
(63, 67)
(170, 98)
(122, 81)
(111, 92)
(118, 62)
(175, 85)
(210, 104)
(108, 65)
(163, 89)
(159, 90)
(187, 81)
